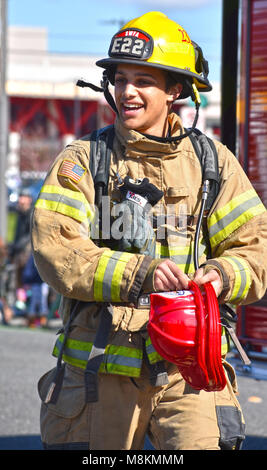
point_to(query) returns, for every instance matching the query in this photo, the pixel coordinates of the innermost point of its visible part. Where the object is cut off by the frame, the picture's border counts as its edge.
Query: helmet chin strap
(196, 99)
(109, 98)
(103, 89)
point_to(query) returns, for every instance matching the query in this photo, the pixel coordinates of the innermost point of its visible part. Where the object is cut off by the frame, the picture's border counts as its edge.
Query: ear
(174, 92)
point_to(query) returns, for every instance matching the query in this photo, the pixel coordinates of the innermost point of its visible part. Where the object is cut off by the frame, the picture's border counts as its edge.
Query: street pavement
(25, 355)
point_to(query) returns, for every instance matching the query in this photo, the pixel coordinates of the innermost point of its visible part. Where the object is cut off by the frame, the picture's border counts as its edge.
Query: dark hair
(186, 82)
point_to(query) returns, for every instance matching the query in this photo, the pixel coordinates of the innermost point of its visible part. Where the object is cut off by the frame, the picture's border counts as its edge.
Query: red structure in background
(252, 145)
(253, 94)
(44, 124)
(69, 116)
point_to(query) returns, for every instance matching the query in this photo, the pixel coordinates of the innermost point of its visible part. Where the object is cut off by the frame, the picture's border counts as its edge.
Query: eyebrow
(137, 74)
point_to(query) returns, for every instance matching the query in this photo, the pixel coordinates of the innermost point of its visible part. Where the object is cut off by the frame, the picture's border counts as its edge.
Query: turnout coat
(70, 259)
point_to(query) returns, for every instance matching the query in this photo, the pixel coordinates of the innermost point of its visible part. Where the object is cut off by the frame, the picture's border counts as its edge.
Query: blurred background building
(47, 110)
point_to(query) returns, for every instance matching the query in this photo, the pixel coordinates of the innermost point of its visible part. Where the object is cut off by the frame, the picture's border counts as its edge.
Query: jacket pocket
(232, 429)
(175, 194)
(71, 398)
(229, 413)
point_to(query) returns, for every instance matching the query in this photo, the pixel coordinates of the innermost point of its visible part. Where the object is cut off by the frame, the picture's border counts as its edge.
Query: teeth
(133, 106)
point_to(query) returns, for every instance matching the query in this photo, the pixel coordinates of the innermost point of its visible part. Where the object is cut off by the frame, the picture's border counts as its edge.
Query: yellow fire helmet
(156, 41)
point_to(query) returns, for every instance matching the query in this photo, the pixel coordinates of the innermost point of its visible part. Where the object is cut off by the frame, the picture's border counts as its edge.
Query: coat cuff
(148, 285)
(213, 264)
(139, 279)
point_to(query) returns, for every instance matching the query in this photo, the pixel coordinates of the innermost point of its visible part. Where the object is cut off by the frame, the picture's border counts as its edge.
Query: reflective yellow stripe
(53, 189)
(62, 209)
(109, 274)
(117, 276)
(66, 202)
(76, 195)
(233, 215)
(153, 356)
(224, 343)
(123, 360)
(181, 255)
(99, 274)
(118, 359)
(242, 278)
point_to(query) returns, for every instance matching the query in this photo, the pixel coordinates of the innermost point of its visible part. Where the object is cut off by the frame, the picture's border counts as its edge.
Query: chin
(131, 125)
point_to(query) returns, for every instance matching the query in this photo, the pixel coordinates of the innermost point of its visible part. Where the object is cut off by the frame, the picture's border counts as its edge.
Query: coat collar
(137, 145)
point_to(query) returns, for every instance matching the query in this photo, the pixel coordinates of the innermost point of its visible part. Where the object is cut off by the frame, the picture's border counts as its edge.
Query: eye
(119, 80)
(143, 82)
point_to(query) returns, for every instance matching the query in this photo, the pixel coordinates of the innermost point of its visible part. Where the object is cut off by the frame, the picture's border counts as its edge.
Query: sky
(86, 26)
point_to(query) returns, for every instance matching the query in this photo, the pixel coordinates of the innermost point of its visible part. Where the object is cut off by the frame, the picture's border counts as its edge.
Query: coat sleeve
(237, 228)
(63, 239)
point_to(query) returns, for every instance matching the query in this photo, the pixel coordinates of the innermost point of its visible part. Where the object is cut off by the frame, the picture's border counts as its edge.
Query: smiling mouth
(131, 108)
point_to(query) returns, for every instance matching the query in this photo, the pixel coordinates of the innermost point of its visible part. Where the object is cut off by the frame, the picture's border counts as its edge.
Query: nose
(129, 90)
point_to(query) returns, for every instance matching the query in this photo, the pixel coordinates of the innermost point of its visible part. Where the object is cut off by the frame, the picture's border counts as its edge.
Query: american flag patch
(72, 170)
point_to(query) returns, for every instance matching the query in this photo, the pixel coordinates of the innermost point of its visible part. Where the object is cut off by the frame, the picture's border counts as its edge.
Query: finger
(170, 281)
(179, 275)
(202, 278)
(166, 274)
(178, 279)
(212, 276)
(182, 278)
(161, 286)
(162, 278)
(198, 276)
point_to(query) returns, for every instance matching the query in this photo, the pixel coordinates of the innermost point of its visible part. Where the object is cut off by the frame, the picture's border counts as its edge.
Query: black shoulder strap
(101, 142)
(207, 154)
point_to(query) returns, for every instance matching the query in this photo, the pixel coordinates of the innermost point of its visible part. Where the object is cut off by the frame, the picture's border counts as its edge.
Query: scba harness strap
(101, 143)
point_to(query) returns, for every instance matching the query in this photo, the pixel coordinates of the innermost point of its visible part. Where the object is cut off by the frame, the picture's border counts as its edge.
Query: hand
(168, 277)
(212, 276)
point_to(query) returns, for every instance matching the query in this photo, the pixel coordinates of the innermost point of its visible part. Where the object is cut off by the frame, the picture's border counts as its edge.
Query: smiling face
(142, 100)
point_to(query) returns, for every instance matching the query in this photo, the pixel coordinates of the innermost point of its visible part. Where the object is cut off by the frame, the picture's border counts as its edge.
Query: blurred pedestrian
(6, 312)
(21, 246)
(37, 308)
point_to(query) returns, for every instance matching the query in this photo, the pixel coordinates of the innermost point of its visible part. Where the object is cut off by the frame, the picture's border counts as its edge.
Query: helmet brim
(202, 84)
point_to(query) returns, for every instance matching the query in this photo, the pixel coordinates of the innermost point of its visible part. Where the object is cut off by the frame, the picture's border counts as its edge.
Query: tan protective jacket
(77, 268)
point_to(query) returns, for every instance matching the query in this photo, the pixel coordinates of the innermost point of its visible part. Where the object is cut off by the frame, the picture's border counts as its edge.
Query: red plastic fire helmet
(184, 328)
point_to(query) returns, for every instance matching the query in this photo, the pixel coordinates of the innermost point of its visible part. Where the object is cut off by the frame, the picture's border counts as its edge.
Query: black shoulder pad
(207, 154)
(101, 142)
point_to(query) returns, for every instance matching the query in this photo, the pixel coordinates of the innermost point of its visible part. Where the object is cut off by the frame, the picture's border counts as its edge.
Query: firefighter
(132, 392)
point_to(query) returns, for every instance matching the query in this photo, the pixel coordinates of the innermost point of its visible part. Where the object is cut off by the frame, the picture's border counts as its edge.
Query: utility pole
(3, 119)
(230, 19)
